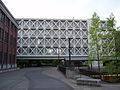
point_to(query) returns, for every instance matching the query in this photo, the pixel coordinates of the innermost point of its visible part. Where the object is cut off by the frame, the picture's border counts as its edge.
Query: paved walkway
(31, 79)
(44, 79)
(53, 72)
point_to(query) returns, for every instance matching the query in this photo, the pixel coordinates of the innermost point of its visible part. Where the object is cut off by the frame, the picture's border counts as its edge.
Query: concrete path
(30, 79)
(44, 79)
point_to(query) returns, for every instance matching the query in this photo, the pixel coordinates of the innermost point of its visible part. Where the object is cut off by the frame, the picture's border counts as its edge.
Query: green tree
(109, 47)
(95, 37)
(117, 44)
(117, 50)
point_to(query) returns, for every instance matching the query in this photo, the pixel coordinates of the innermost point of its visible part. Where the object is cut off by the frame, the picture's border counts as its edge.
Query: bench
(87, 81)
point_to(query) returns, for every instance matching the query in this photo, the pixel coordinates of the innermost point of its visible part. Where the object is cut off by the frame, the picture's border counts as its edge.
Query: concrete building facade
(48, 38)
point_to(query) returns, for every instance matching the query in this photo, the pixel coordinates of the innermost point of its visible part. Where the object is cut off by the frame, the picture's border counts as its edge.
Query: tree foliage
(104, 43)
(109, 46)
(95, 39)
(117, 44)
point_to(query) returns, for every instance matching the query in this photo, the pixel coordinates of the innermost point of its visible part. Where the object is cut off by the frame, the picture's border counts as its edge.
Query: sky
(64, 9)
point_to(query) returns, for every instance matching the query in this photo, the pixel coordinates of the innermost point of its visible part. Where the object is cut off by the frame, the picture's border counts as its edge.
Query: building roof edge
(7, 12)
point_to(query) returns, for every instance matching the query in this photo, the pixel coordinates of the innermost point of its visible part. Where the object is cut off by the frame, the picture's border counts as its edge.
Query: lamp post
(58, 52)
(69, 39)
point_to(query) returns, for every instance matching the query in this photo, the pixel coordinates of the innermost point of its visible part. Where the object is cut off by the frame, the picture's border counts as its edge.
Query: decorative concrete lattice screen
(49, 37)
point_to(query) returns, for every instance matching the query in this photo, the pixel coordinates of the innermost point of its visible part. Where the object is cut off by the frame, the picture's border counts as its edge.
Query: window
(6, 37)
(11, 39)
(0, 15)
(10, 59)
(0, 34)
(0, 57)
(12, 27)
(3, 17)
(5, 58)
(7, 21)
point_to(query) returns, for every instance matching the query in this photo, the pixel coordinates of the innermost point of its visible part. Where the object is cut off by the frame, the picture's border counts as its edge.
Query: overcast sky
(63, 9)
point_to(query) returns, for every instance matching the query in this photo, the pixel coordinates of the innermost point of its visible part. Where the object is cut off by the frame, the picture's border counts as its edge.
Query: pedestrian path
(31, 79)
(39, 81)
(53, 72)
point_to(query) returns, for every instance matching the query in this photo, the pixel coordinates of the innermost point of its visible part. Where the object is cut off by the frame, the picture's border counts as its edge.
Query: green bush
(114, 79)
